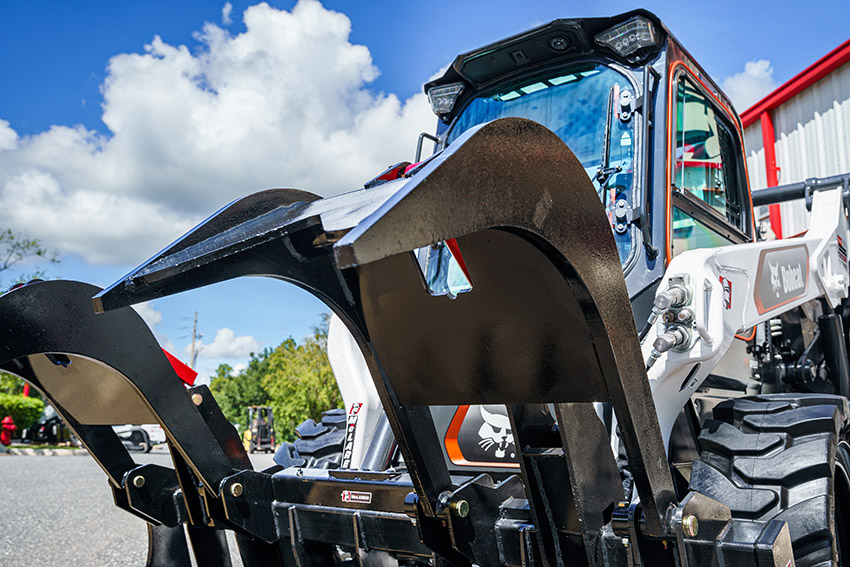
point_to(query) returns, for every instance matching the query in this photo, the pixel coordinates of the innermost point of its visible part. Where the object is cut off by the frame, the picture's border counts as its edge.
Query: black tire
(784, 457)
(139, 438)
(319, 445)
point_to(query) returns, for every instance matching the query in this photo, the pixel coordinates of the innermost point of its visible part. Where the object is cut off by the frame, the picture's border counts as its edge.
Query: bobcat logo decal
(774, 278)
(782, 276)
(496, 432)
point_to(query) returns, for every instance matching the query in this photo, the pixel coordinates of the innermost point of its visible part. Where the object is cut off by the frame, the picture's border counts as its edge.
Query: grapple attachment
(547, 322)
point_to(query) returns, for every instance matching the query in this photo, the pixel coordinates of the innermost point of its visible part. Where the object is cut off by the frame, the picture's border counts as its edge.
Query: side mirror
(442, 273)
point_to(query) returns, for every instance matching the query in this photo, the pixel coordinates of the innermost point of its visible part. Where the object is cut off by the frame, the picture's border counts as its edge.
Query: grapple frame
(547, 323)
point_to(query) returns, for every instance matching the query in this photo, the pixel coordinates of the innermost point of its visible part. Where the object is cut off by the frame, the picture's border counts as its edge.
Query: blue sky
(109, 149)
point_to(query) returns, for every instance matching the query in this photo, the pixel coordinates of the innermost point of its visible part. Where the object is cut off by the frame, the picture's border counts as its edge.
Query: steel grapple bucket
(547, 321)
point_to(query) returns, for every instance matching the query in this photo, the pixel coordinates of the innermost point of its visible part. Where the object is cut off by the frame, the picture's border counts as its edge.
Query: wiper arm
(605, 171)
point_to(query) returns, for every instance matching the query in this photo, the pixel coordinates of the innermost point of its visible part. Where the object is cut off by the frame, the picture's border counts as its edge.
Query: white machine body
(733, 288)
(362, 405)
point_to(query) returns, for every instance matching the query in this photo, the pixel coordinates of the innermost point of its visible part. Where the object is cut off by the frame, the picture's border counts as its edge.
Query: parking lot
(57, 511)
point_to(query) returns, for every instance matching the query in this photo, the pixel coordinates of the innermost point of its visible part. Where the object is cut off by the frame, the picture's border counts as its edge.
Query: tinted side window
(689, 233)
(705, 164)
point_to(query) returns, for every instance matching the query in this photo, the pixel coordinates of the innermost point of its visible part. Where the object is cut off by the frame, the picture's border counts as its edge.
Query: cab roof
(559, 40)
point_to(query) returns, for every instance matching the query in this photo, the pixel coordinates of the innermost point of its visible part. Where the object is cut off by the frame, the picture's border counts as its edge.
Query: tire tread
(760, 451)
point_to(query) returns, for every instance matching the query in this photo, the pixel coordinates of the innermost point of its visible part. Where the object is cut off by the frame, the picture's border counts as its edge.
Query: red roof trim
(811, 75)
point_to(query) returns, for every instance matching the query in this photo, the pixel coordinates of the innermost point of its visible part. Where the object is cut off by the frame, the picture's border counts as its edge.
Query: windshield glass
(573, 103)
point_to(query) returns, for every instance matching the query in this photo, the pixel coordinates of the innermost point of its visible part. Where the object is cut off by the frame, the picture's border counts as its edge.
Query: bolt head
(138, 481)
(197, 399)
(236, 489)
(460, 508)
(559, 43)
(690, 525)
(685, 315)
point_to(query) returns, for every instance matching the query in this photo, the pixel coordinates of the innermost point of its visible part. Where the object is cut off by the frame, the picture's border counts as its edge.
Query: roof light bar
(443, 97)
(628, 37)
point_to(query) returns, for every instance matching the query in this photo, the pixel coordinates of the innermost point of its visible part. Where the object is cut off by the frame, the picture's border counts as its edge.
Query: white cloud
(168, 345)
(750, 85)
(8, 137)
(225, 13)
(102, 227)
(152, 318)
(286, 103)
(237, 368)
(150, 315)
(227, 345)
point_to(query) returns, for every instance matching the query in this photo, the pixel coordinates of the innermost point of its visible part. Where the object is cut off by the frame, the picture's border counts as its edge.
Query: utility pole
(195, 335)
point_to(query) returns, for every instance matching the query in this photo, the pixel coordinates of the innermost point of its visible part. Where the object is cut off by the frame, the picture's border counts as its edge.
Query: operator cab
(654, 134)
(574, 102)
(657, 137)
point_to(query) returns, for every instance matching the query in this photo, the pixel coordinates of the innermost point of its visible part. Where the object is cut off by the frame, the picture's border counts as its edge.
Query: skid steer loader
(559, 339)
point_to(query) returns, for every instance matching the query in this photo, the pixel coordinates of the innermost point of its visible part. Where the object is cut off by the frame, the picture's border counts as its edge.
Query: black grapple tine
(523, 227)
(104, 370)
(167, 547)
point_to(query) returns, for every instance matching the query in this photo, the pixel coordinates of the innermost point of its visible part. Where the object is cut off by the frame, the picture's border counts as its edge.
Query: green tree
(15, 386)
(25, 412)
(300, 382)
(296, 380)
(234, 393)
(11, 385)
(16, 248)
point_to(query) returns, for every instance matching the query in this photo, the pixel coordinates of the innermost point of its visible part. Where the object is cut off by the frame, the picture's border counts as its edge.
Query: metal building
(800, 130)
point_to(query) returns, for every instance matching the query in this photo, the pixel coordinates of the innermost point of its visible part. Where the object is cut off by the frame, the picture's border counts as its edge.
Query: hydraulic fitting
(674, 336)
(653, 356)
(673, 296)
(677, 294)
(686, 315)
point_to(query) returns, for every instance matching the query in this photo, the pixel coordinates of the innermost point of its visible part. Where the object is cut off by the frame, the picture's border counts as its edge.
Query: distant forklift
(260, 433)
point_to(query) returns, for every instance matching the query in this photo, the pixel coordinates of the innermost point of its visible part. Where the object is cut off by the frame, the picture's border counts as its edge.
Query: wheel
(319, 445)
(783, 457)
(139, 438)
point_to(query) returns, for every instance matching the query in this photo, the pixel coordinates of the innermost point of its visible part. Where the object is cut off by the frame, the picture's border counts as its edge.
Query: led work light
(442, 98)
(629, 36)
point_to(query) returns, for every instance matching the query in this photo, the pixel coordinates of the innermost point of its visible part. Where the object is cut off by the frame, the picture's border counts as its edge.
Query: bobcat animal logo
(496, 432)
(774, 278)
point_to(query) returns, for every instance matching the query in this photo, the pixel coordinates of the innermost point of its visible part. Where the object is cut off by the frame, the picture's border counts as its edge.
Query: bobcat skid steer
(559, 340)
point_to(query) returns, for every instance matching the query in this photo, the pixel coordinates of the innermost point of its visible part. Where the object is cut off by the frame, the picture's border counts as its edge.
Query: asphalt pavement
(58, 511)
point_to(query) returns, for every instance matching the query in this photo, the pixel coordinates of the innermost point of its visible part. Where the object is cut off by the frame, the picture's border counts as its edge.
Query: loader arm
(732, 289)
